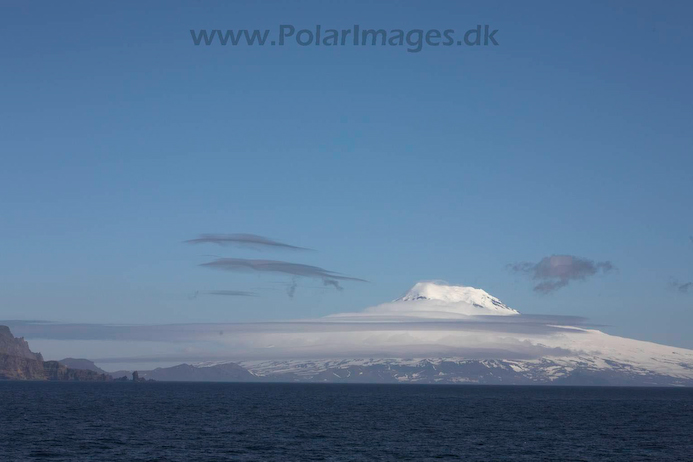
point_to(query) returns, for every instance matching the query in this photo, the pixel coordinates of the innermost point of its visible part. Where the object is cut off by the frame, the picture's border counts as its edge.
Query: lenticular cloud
(558, 271)
(245, 240)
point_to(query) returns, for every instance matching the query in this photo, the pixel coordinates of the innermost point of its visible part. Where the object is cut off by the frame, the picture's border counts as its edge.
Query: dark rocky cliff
(18, 362)
(9, 345)
(19, 368)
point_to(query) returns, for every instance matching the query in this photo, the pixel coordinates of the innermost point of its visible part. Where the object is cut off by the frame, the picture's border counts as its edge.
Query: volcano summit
(435, 333)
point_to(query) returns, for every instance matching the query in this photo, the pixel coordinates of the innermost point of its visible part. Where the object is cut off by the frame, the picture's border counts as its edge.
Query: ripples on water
(201, 422)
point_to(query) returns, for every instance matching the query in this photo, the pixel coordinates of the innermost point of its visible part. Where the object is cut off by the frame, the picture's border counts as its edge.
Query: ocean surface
(304, 422)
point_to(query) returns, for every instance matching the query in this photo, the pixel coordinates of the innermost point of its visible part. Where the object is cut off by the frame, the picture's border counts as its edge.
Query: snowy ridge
(575, 370)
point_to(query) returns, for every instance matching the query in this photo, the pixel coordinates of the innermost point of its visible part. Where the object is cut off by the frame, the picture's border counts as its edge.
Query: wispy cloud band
(281, 267)
(245, 240)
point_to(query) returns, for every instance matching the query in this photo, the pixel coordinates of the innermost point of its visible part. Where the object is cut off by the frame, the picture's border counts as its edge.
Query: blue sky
(121, 139)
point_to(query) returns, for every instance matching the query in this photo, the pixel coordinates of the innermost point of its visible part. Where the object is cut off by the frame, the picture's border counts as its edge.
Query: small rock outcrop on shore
(18, 362)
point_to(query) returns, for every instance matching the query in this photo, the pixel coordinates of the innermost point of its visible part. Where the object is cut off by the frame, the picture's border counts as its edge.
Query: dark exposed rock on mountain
(18, 362)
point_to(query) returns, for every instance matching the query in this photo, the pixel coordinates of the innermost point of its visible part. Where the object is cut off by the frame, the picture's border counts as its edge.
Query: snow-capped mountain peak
(445, 293)
(435, 300)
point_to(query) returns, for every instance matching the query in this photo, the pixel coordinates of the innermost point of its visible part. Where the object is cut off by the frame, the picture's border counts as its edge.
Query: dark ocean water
(302, 422)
